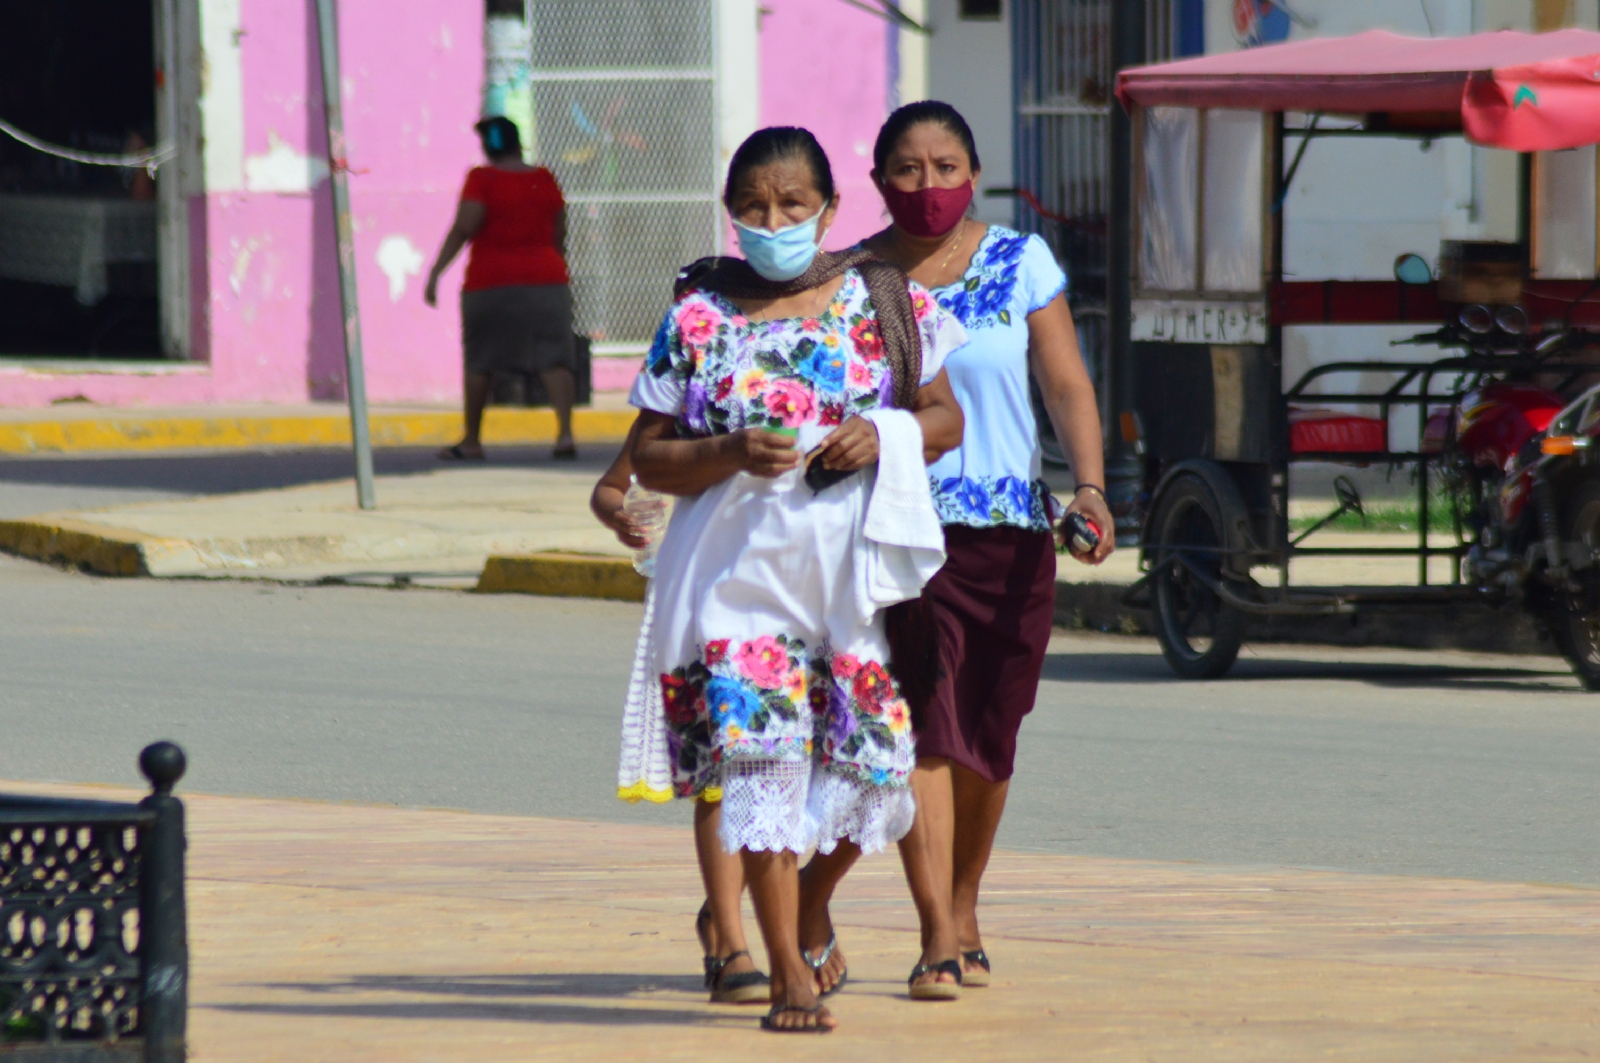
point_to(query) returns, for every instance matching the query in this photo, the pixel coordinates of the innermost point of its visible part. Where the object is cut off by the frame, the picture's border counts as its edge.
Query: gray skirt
(520, 328)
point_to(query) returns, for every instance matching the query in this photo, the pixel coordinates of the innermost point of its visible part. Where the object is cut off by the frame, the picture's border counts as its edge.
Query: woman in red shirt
(516, 307)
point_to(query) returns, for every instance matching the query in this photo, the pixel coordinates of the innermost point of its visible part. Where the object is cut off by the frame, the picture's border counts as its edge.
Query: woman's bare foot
(797, 1011)
(827, 965)
(818, 943)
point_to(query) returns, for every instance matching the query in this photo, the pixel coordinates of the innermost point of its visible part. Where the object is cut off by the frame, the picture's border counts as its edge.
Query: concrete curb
(563, 576)
(130, 430)
(107, 551)
(1098, 606)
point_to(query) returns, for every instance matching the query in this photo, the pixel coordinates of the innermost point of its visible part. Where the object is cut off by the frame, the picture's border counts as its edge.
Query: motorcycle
(1521, 464)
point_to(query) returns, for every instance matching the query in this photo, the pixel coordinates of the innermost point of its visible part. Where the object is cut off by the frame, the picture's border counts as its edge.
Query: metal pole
(163, 914)
(339, 174)
(1124, 470)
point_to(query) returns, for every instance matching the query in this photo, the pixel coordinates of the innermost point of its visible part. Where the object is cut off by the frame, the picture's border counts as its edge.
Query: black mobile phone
(819, 477)
(1080, 532)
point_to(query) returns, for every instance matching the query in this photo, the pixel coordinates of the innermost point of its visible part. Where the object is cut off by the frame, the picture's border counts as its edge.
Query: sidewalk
(434, 529)
(349, 934)
(83, 428)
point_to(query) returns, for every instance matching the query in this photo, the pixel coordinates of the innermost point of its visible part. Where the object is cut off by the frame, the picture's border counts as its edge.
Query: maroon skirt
(993, 603)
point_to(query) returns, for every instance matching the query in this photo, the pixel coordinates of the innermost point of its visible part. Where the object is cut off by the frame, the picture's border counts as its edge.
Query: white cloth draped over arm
(902, 542)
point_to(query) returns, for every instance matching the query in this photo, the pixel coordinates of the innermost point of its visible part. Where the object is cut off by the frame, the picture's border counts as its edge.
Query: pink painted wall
(411, 74)
(825, 66)
(266, 282)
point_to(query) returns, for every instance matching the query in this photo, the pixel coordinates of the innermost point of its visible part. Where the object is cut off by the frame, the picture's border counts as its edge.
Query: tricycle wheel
(1576, 623)
(1199, 633)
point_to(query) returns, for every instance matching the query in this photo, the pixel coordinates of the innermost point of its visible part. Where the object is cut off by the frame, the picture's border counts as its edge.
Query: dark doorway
(78, 243)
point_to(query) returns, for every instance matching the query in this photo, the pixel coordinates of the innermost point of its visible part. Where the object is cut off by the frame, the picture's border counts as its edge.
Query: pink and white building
(637, 106)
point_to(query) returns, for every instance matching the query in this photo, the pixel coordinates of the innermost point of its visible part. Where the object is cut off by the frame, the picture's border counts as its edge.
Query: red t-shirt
(517, 243)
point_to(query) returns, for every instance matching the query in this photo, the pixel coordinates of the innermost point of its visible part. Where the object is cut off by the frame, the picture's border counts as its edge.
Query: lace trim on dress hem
(871, 816)
(764, 806)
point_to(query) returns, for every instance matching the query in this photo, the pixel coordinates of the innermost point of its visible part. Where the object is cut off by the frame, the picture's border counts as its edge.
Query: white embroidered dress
(768, 682)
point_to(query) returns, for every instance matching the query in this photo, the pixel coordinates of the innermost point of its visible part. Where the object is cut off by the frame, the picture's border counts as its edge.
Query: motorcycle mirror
(1512, 319)
(1349, 496)
(1477, 318)
(1412, 268)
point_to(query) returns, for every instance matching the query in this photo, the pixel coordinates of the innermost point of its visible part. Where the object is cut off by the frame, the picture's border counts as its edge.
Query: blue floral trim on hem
(988, 501)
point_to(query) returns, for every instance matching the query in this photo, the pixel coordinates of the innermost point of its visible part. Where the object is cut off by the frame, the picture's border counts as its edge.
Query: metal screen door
(624, 105)
(1061, 63)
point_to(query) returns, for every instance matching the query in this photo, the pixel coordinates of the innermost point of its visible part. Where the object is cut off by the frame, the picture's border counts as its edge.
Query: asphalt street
(1438, 763)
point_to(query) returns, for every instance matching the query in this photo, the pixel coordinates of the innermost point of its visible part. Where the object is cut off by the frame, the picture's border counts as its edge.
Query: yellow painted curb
(130, 430)
(563, 576)
(108, 551)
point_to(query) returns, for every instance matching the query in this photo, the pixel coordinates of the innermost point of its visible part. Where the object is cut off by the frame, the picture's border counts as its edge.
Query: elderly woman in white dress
(769, 378)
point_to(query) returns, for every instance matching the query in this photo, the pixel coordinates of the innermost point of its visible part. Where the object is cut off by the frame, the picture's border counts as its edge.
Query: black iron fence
(94, 954)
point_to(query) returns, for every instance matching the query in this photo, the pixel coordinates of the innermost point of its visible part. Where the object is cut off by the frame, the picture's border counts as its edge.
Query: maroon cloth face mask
(929, 211)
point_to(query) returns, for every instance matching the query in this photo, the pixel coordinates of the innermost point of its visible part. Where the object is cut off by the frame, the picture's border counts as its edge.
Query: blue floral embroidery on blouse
(986, 502)
(985, 296)
(659, 361)
(824, 368)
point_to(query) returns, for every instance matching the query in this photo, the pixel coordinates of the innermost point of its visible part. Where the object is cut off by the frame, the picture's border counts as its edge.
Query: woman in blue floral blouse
(775, 686)
(994, 600)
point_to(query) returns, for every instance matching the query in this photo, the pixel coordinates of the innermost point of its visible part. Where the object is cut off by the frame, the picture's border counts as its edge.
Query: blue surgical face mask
(783, 255)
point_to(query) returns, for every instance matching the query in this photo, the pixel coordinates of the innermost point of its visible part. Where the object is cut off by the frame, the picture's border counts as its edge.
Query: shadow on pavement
(474, 1012)
(259, 470)
(582, 984)
(1150, 667)
(499, 998)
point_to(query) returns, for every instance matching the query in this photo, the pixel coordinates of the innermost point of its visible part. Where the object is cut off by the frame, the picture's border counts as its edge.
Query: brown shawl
(886, 287)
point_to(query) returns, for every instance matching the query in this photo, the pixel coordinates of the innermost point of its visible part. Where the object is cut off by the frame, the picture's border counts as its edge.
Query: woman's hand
(674, 466)
(851, 446)
(606, 504)
(469, 219)
(1092, 504)
(762, 453)
(608, 496)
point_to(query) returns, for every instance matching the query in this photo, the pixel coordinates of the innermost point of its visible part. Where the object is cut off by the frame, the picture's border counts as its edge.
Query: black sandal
(747, 987)
(976, 980)
(820, 962)
(935, 990)
(779, 1009)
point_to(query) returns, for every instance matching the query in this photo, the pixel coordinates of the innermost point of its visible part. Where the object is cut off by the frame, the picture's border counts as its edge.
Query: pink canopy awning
(1521, 91)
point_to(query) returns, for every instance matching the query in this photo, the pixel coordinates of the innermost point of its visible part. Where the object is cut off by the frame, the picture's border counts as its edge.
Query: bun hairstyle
(775, 143)
(500, 137)
(902, 120)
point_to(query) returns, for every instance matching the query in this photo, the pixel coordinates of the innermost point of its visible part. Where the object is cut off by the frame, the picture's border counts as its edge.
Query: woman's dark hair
(500, 136)
(777, 142)
(914, 114)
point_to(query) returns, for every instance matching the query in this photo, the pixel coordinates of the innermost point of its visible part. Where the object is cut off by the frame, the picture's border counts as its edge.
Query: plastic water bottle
(648, 512)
